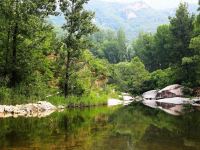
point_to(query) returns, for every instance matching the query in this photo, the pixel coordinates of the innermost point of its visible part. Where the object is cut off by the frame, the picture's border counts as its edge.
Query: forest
(83, 63)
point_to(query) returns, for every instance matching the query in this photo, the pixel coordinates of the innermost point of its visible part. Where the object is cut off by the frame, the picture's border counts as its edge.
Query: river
(134, 127)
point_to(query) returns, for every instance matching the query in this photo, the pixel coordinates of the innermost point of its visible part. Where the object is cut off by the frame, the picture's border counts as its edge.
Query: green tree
(144, 47)
(100, 40)
(159, 79)
(182, 30)
(193, 62)
(111, 51)
(22, 26)
(78, 26)
(181, 27)
(111, 46)
(122, 47)
(163, 46)
(130, 76)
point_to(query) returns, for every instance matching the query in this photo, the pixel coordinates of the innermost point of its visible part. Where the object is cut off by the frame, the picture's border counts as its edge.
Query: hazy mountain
(133, 17)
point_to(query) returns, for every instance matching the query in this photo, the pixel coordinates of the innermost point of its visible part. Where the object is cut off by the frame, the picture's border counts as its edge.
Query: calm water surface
(129, 128)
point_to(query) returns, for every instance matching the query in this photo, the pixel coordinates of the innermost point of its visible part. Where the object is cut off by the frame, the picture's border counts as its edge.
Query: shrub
(5, 94)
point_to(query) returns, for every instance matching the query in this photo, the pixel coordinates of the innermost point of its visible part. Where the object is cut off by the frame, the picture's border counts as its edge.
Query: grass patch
(95, 97)
(75, 100)
(10, 96)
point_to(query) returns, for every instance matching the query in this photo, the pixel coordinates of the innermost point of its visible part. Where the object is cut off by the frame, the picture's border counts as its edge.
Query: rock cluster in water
(39, 109)
(171, 99)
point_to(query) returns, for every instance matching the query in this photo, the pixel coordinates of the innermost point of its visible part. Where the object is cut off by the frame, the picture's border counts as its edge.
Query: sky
(158, 4)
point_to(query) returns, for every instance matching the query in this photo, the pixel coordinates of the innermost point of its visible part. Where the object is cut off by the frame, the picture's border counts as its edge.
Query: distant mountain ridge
(133, 17)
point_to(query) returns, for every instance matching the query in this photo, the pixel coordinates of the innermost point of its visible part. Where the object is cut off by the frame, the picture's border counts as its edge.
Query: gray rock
(9, 109)
(31, 108)
(28, 110)
(171, 91)
(150, 95)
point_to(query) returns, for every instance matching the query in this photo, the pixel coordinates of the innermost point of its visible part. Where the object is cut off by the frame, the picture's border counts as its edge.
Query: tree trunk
(14, 55)
(67, 75)
(7, 52)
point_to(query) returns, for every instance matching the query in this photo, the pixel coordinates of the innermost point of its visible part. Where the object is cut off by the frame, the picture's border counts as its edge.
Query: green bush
(5, 94)
(130, 76)
(188, 92)
(159, 79)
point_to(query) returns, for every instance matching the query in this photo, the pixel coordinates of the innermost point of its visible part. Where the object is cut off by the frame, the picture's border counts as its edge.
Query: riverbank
(58, 103)
(52, 103)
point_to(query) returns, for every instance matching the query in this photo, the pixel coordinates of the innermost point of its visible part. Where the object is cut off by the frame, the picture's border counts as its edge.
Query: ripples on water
(129, 128)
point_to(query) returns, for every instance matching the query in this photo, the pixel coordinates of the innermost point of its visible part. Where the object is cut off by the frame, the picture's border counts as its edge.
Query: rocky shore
(39, 109)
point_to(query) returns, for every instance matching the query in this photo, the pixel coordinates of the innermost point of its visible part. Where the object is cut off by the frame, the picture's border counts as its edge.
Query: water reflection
(129, 128)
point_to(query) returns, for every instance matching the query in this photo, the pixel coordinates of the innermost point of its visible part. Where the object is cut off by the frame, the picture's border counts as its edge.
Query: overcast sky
(158, 4)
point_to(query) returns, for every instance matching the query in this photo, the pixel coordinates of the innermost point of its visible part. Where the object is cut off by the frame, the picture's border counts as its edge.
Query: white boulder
(175, 101)
(150, 103)
(150, 95)
(114, 102)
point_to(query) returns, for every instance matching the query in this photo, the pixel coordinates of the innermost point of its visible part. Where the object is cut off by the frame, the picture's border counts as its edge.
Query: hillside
(133, 17)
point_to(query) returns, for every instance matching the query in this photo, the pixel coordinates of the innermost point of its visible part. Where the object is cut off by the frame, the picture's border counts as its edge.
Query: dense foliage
(173, 46)
(36, 60)
(171, 55)
(26, 40)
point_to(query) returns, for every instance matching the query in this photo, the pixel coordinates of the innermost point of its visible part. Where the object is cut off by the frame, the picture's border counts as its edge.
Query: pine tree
(121, 38)
(181, 27)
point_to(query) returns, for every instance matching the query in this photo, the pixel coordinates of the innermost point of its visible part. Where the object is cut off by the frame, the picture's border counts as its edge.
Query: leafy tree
(121, 39)
(181, 27)
(100, 40)
(163, 46)
(160, 79)
(192, 63)
(144, 47)
(78, 26)
(188, 72)
(111, 46)
(111, 51)
(99, 71)
(130, 76)
(22, 28)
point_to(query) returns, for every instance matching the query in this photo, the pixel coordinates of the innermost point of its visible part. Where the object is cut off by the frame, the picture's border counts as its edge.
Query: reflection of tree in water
(130, 128)
(160, 139)
(152, 129)
(65, 129)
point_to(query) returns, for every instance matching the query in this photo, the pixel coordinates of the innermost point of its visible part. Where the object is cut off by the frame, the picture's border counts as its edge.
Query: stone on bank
(40, 108)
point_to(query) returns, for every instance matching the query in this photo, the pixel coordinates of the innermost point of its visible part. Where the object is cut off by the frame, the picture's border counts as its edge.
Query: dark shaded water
(130, 128)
